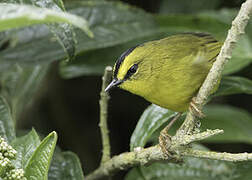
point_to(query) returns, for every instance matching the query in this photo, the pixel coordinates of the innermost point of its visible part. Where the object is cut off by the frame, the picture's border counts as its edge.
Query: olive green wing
(209, 45)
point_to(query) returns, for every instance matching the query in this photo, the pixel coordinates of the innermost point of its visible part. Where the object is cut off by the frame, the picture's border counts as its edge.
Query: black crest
(121, 59)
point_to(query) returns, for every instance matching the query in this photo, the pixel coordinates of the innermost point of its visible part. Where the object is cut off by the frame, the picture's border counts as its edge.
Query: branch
(218, 155)
(237, 29)
(127, 160)
(152, 154)
(103, 114)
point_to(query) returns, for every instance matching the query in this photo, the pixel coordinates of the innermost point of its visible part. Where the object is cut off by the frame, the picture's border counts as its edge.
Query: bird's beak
(114, 83)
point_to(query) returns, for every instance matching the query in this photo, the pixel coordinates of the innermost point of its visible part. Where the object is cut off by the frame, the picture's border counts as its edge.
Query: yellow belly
(176, 90)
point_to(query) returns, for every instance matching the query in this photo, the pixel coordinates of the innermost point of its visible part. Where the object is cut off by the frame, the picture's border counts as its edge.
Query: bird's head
(131, 71)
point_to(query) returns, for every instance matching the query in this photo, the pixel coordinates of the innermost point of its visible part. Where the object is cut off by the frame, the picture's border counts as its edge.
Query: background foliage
(44, 86)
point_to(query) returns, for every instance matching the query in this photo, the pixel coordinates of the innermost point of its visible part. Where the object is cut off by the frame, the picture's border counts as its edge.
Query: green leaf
(243, 170)
(38, 165)
(25, 146)
(192, 23)
(181, 6)
(229, 119)
(151, 120)
(112, 23)
(234, 85)
(65, 166)
(64, 32)
(7, 129)
(19, 84)
(190, 169)
(17, 16)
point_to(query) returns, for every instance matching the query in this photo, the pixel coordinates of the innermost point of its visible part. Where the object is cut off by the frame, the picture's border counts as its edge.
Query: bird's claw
(195, 110)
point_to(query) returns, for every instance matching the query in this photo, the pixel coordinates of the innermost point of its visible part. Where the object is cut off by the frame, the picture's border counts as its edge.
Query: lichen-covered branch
(127, 160)
(187, 139)
(103, 115)
(145, 156)
(218, 155)
(237, 29)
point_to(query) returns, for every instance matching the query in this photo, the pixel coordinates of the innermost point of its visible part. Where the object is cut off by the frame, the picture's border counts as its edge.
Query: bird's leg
(165, 138)
(195, 110)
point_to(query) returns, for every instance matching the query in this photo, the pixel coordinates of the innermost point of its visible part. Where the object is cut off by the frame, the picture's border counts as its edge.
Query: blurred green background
(67, 99)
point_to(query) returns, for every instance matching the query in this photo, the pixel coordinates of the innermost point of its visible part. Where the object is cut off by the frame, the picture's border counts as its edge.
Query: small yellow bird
(167, 72)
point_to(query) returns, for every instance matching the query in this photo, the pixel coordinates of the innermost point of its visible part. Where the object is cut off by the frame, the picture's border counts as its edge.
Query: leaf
(181, 6)
(112, 23)
(151, 120)
(17, 16)
(64, 32)
(192, 23)
(190, 169)
(7, 129)
(236, 123)
(65, 166)
(38, 165)
(25, 146)
(234, 85)
(243, 170)
(19, 84)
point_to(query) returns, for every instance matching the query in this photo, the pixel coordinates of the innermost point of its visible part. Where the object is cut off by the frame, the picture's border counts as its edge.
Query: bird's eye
(133, 69)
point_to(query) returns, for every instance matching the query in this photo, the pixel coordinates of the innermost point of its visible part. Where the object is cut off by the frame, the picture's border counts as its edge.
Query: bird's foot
(164, 142)
(195, 110)
(165, 138)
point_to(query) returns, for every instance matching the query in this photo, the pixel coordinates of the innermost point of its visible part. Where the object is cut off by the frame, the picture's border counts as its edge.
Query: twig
(127, 160)
(103, 115)
(237, 29)
(187, 139)
(218, 155)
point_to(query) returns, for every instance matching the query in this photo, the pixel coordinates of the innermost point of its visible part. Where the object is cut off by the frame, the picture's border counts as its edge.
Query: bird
(167, 72)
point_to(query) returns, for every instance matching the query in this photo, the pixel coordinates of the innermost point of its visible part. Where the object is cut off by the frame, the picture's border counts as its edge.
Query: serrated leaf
(236, 123)
(112, 23)
(25, 146)
(19, 84)
(38, 165)
(65, 165)
(151, 120)
(7, 129)
(234, 85)
(17, 16)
